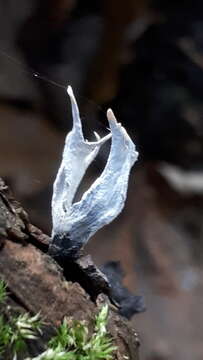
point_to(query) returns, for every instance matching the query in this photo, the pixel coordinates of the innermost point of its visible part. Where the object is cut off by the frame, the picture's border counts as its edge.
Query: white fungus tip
(111, 119)
(70, 91)
(110, 115)
(97, 136)
(114, 125)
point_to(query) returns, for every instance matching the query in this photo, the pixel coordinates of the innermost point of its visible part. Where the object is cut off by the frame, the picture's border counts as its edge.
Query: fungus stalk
(75, 223)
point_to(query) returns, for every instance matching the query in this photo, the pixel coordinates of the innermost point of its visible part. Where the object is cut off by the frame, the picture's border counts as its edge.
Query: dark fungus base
(77, 267)
(81, 268)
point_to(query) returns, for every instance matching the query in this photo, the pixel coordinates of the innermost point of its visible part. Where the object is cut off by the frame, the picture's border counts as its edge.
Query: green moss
(72, 340)
(3, 292)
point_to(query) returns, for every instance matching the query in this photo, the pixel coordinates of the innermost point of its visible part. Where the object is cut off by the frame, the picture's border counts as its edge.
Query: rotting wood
(36, 282)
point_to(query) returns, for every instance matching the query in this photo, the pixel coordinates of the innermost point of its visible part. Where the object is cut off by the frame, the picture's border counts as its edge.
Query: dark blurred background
(145, 60)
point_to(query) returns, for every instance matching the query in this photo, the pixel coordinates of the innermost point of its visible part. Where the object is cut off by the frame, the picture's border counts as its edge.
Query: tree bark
(37, 283)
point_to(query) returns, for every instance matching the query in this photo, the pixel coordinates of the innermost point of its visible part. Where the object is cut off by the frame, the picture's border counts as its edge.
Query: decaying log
(37, 283)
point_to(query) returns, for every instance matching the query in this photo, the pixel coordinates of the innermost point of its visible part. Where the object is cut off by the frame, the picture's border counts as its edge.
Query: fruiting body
(75, 223)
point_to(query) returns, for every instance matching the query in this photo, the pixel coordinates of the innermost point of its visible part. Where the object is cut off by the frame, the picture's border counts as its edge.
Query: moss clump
(72, 340)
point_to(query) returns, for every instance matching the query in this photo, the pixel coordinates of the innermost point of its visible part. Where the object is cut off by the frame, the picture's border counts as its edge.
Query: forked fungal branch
(75, 223)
